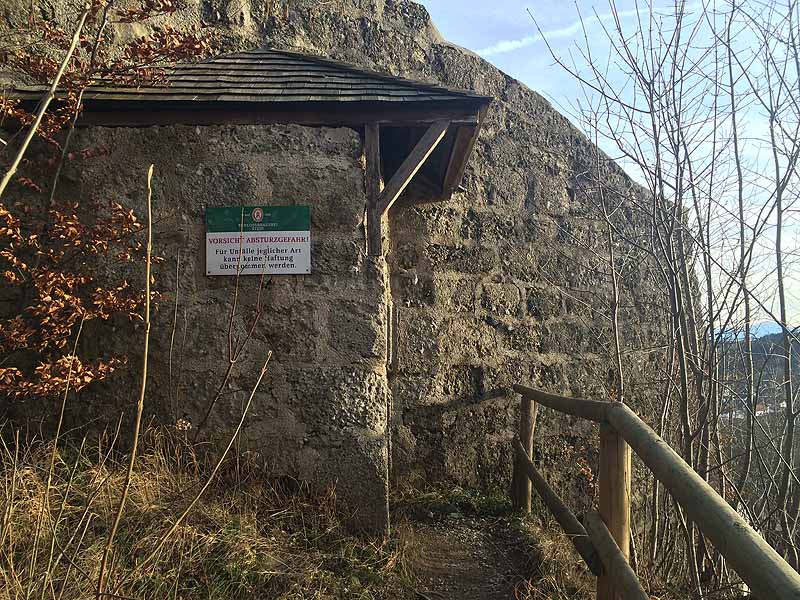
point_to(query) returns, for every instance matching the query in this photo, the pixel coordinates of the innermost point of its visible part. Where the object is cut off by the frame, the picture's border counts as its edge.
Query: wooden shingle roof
(265, 86)
(265, 75)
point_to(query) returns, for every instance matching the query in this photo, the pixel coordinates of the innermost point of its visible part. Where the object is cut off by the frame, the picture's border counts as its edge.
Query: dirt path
(466, 558)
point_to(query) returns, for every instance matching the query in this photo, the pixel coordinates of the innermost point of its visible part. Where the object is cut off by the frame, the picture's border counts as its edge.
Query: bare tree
(700, 105)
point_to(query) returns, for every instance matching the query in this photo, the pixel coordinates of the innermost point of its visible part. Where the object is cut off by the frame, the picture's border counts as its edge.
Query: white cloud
(563, 32)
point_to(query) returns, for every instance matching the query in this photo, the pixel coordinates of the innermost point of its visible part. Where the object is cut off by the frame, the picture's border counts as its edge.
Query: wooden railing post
(520, 483)
(614, 480)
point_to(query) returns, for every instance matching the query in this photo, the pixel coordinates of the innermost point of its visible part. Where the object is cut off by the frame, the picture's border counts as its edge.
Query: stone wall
(505, 283)
(320, 415)
(509, 283)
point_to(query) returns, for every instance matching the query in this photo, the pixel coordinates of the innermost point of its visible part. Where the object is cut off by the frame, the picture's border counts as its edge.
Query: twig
(154, 553)
(173, 401)
(79, 103)
(44, 103)
(140, 405)
(51, 467)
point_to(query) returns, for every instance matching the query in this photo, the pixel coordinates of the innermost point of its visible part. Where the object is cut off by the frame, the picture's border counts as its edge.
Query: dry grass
(560, 573)
(248, 537)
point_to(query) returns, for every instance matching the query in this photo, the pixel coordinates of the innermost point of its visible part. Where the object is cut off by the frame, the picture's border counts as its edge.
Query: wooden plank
(465, 138)
(374, 185)
(562, 514)
(461, 160)
(520, 482)
(304, 81)
(614, 561)
(614, 483)
(747, 553)
(232, 94)
(413, 162)
(301, 75)
(132, 114)
(585, 409)
(251, 68)
(279, 93)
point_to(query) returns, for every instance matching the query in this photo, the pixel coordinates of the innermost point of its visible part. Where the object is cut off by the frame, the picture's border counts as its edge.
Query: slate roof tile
(266, 75)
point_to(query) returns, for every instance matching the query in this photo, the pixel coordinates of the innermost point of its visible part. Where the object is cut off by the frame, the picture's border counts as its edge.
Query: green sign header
(233, 219)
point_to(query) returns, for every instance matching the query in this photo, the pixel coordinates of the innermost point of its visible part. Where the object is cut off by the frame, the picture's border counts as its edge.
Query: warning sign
(256, 240)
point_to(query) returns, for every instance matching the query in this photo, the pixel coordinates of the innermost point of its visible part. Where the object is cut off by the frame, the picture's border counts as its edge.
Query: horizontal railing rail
(753, 559)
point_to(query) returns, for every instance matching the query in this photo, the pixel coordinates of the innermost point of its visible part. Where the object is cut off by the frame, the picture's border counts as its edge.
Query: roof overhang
(142, 113)
(266, 86)
(403, 125)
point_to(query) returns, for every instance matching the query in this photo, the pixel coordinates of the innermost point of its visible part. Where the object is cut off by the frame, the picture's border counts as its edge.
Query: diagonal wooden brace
(379, 198)
(413, 162)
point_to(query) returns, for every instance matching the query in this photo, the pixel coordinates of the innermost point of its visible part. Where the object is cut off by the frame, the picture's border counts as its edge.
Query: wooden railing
(603, 540)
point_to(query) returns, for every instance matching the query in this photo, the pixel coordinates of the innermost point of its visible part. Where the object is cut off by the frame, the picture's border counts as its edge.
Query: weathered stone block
(462, 259)
(416, 290)
(356, 329)
(330, 399)
(291, 329)
(585, 303)
(525, 337)
(442, 223)
(570, 336)
(418, 339)
(455, 383)
(501, 298)
(406, 254)
(487, 226)
(544, 302)
(336, 256)
(520, 261)
(455, 294)
(461, 441)
(469, 339)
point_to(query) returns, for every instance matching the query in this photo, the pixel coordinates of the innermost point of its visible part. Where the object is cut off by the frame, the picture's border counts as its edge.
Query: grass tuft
(248, 537)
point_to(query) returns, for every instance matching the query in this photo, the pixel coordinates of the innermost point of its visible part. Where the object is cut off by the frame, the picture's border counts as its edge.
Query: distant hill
(768, 367)
(766, 328)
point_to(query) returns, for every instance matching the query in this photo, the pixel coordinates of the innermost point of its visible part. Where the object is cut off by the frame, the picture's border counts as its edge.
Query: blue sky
(504, 33)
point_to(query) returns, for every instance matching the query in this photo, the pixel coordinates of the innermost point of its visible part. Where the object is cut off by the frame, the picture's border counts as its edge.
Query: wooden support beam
(592, 410)
(747, 553)
(413, 162)
(464, 139)
(374, 185)
(462, 150)
(614, 482)
(520, 482)
(614, 561)
(568, 521)
(118, 113)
